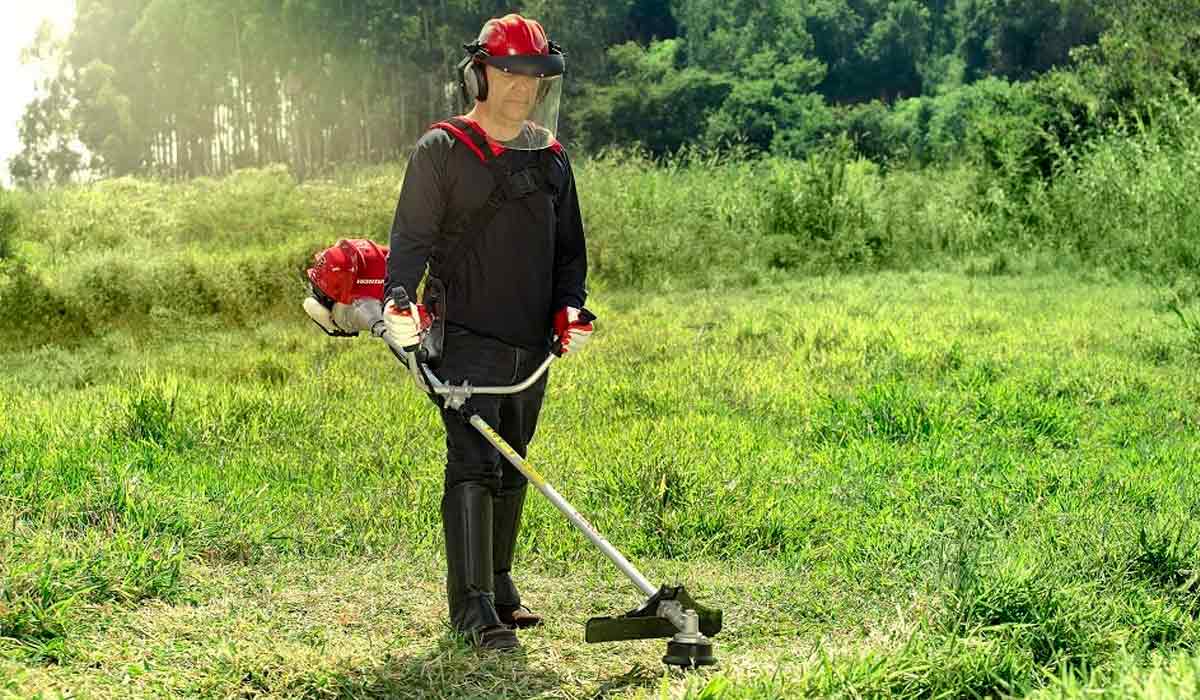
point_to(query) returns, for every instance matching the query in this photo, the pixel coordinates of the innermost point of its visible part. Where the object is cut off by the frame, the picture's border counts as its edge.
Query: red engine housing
(350, 269)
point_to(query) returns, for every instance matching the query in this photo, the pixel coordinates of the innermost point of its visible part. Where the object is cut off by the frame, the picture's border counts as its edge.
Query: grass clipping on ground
(902, 484)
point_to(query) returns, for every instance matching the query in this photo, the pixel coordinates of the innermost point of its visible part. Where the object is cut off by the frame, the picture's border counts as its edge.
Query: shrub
(819, 213)
(31, 313)
(10, 224)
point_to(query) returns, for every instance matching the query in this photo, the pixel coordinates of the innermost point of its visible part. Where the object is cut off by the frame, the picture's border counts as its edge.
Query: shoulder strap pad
(469, 133)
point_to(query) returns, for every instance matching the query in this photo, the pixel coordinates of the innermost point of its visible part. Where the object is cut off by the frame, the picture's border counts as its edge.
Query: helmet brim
(535, 65)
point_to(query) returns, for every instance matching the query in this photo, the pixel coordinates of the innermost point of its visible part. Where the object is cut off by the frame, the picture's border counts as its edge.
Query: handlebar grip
(400, 300)
(585, 316)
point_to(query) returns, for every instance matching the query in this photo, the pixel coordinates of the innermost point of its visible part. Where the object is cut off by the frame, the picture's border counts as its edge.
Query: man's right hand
(405, 325)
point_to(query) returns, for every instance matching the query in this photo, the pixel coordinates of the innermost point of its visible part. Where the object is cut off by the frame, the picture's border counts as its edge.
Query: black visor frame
(535, 65)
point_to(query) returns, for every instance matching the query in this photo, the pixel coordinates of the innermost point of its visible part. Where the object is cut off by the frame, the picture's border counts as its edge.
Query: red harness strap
(472, 134)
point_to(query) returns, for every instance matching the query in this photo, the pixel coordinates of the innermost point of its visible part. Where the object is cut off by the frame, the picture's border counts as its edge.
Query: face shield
(526, 90)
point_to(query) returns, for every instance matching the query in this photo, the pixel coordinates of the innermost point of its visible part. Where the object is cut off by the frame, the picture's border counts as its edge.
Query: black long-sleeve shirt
(528, 262)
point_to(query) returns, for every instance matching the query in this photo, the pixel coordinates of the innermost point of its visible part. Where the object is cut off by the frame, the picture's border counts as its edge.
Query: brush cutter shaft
(561, 503)
(436, 386)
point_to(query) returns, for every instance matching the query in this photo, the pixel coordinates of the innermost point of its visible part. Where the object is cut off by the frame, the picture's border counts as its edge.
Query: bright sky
(19, 20)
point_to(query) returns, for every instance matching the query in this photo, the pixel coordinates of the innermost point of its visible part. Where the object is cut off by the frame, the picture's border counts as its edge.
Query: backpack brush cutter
(346, 282)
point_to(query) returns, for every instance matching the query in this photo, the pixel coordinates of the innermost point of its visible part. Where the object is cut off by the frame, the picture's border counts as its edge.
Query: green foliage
(768, 116)
(990, 120)
(691, 220)
(1167, 559)
(106, 121)
(45, 583)
(655, 61)
(31, 313)
(887, 412)
(819, 213)
(868, 127)
(1022, 609)
(1128, 203)
(10, 223)
(749, 39)
(149, 417)
(188, 90)
(873, 50)
(46, 130)
(1144, 60)
(896, 46)
(660, 116)
(129, 252)
(1029, 37)
(1190, 325)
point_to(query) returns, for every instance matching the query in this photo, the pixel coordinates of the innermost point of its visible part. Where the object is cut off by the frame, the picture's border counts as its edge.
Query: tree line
(183, 88)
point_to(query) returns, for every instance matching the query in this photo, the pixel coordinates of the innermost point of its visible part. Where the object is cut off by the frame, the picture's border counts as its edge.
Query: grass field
(910, 484)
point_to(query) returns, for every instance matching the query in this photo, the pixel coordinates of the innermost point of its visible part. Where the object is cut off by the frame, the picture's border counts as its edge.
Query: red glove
(571, 333)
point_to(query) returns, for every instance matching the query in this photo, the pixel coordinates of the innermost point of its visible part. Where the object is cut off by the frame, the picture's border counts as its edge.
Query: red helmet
(349, 270)
(512, 44)
(519, 45)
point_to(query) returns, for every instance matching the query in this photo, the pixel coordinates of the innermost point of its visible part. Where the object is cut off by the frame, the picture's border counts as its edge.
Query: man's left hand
(572, 332)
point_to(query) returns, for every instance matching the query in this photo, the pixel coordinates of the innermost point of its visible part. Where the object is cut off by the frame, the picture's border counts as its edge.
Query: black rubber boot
(467, 524)
(506, 524)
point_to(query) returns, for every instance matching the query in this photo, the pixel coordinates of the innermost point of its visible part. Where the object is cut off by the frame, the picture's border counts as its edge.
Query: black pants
(484, 494)
(485, 361)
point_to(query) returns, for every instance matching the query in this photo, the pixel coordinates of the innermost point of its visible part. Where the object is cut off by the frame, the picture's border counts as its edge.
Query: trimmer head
(672, 613)
(689, 654)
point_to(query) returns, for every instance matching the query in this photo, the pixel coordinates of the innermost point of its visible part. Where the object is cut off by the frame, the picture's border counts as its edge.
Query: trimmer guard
(644, 621)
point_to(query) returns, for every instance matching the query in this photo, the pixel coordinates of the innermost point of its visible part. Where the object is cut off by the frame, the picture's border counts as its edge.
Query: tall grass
(1130, 204)
(127, 252)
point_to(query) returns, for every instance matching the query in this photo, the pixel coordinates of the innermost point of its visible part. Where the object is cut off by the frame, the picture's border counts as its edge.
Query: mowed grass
(925, 484)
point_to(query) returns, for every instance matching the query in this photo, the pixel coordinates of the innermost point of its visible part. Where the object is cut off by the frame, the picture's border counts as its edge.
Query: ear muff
(477, 75)
(472, 78)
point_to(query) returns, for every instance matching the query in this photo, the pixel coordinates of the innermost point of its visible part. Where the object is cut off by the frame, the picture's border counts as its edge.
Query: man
(489, 203)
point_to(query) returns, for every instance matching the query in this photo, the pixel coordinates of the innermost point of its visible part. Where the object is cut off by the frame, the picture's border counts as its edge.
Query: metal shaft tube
(561, 503)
